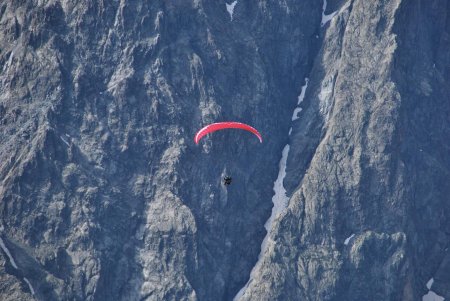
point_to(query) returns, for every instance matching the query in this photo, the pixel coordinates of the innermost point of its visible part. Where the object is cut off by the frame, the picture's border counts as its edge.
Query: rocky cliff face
(105, 196)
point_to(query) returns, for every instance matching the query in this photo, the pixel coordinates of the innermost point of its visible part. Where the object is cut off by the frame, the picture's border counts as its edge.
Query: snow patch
(347, 240)
(5, 249)
(430, 283)
(280, 202)
(301, 97)
(290, 131)
(230, 8)
(295, 114)
(29, 285)
(326, 18)
(432, 296)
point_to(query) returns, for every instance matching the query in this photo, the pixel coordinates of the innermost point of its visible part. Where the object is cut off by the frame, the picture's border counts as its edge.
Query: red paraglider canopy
(225, 125)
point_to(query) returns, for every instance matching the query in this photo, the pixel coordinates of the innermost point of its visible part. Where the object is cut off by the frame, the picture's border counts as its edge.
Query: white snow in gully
(347, 240)
(301, 97)
(30, 286)
(280, 200)
(230, 8)
(5, 249)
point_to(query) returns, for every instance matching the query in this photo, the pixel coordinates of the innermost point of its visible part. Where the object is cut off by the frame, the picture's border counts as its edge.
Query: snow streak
(65, 141)
(347, 240)
(29, 285)
(5, 249)
(230, 8)
(12, 261)
(430, 283)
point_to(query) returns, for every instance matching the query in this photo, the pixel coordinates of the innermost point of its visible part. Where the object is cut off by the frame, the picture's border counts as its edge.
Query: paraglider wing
(225, 125)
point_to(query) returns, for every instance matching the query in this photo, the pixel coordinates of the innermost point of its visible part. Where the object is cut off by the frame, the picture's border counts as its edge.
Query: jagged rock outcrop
(105, 196)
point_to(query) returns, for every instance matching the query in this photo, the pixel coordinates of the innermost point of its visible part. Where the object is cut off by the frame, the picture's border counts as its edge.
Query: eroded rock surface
(105, 196)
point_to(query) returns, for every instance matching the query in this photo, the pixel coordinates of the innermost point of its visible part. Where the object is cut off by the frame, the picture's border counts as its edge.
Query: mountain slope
(378, 118)
(105, 196)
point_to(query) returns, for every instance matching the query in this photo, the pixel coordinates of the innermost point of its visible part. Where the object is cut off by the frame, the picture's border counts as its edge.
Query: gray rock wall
(105, 196)
(377, 89)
